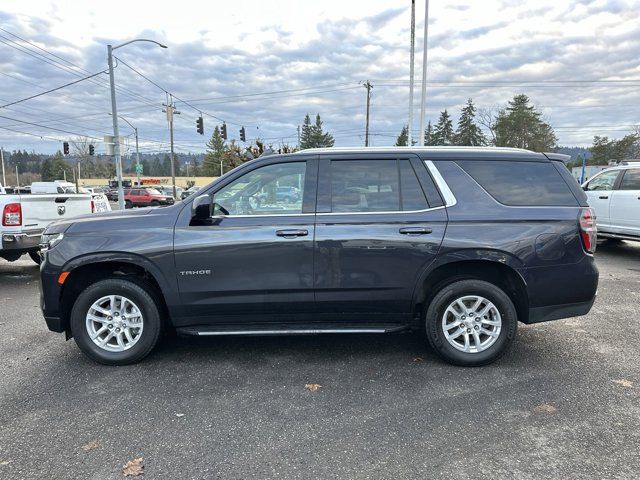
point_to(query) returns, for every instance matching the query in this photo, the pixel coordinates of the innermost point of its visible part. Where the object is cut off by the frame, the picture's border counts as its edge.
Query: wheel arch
(501, 274)
(84, 271)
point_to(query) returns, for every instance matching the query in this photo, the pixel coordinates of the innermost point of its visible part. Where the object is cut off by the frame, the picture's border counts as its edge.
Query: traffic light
(92, 150)
(243, 137)
(223, 131)
(200, 125)
(65, 148)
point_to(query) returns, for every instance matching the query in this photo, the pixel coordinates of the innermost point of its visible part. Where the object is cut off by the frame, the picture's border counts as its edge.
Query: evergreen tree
(214, 153)
(468, 133)
(313, 136)
(59, 167)
(46, 170)
(403, 138)
(429, 140)
(443, 131)
(520, 125)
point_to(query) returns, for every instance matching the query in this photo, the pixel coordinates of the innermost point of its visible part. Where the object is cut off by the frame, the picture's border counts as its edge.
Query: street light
(114, 114)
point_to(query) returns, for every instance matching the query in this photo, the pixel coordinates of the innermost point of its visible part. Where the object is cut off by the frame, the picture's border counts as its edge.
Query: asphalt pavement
(563, 403)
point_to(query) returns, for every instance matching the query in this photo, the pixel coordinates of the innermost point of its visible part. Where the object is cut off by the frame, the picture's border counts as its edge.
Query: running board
(207, 331)
(618, 236)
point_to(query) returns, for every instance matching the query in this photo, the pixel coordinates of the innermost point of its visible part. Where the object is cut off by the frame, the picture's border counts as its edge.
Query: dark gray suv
(459, 243)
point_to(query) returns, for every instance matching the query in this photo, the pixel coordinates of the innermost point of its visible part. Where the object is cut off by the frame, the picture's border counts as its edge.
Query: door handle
(603, 197)
(415, 231)
(292, 233)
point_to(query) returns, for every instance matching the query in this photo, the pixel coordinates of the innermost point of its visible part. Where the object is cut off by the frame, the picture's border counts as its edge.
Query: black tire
(35, 256)
(128, 204)
(142, 296)
(449, 293)
(155, 203)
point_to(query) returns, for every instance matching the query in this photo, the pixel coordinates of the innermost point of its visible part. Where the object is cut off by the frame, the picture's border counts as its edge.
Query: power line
(52, 90)
(48, 127)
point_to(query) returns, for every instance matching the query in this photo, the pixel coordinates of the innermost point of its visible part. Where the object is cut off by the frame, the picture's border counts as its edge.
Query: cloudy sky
(264, 64)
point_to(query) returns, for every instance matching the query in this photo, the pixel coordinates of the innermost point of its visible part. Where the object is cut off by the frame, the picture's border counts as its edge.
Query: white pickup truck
(614, 194)
(25, 216)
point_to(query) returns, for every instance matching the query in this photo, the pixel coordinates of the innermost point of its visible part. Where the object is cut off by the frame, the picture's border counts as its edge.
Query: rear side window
(412, 195)
(631, 180)
(521, 183)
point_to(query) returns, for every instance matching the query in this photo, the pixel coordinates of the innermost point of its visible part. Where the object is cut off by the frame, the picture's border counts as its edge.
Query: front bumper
(21, 242)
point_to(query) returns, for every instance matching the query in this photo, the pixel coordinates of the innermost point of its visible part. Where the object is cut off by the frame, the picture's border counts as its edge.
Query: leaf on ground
(133, 468)
(90, 446)
(624, 383)
(418, 359)
(5, 462)
(179, 415)
(545, 408)
(312, 387)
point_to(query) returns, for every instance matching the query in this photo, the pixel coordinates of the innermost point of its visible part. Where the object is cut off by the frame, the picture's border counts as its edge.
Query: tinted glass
(603, 182)
(631, 180)
(521, 183)
(411, 193)
(364, 186)
(258, 192)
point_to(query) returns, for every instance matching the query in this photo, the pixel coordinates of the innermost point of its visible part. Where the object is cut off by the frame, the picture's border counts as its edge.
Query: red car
(146, 197)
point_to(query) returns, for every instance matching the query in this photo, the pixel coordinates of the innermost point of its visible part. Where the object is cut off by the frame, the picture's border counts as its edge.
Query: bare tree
(486, 117)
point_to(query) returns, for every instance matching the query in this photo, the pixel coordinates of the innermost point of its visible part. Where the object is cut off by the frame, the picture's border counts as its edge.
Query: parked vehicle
(614, 194)
(24, 217)
(189, 191)
(287, 194)
(168, 191)
(460, 243)
(146, 197)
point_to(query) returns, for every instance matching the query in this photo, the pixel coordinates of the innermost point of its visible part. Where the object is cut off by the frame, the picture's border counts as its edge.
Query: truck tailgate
(38, 210)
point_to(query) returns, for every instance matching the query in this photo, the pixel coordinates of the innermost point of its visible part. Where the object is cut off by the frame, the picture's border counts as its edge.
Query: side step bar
(618, 236)
(207, 331)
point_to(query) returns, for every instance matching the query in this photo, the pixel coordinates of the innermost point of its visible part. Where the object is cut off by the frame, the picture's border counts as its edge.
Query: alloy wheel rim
(114, 323)
(471, 324)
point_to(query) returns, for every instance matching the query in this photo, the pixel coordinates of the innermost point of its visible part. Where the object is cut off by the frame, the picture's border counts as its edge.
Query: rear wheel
(116, 321)
(471, 322)
(35, 256)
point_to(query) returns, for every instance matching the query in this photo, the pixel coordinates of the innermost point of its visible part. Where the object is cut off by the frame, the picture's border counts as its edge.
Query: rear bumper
(556, 312)
(21, 242)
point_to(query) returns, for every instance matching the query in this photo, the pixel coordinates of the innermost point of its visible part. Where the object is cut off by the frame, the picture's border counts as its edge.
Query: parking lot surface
(563, 403)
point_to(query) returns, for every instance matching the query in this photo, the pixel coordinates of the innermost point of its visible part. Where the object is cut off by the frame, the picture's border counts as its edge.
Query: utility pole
(18, 179)
(368, 86)
(171, 111)
(4, 179)
(413, 47)
(114, 113)
(298, 137)
(116, 132)
(137, 157)
(221, 172)
(423, 100)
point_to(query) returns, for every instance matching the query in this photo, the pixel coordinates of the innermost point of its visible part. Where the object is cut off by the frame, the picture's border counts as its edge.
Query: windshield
(153, 191)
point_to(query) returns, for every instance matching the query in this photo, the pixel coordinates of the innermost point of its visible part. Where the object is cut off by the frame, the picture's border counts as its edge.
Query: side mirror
(201, 208)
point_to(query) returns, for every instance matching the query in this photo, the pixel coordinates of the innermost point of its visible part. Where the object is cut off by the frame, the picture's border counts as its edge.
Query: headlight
(48, 241)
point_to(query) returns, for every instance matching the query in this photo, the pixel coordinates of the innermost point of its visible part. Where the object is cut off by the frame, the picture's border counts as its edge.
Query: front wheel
(471, 322)
(155, 203)
(128, 204)
(116, 321)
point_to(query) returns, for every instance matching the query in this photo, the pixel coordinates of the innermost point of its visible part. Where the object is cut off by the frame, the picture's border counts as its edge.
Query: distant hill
(574, 152)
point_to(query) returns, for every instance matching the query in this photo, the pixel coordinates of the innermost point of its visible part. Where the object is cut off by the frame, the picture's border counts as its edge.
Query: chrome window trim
(390, 212)
(267, 215)
(449, 197)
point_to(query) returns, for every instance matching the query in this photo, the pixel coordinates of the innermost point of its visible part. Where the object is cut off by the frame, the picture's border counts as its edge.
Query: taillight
(93, 206)
(12, 215)
(588, 230)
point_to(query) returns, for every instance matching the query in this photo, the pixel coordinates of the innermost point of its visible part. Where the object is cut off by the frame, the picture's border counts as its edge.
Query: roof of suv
(458, 153)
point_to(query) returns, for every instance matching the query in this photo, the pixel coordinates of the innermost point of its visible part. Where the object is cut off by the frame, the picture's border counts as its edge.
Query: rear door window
(519, 183)
(631, 180)
(361, 186)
